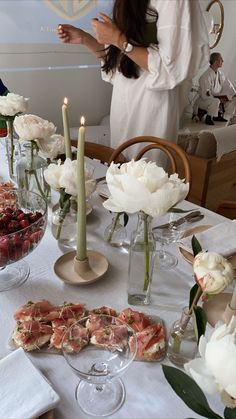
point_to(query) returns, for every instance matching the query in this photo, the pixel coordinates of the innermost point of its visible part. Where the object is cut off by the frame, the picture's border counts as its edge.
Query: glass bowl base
(102, 400)
(14, 275)
(165, 260)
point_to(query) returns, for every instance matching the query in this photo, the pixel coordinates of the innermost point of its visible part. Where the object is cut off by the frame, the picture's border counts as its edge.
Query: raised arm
(72, 35)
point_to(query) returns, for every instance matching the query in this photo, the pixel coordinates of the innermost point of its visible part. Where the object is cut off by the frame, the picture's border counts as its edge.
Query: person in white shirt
(146, 67)
(217, 94)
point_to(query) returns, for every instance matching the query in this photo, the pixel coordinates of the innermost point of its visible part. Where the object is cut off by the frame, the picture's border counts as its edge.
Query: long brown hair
(130, 17)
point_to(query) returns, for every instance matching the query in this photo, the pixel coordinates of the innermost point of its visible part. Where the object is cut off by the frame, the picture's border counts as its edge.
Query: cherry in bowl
(23, 219)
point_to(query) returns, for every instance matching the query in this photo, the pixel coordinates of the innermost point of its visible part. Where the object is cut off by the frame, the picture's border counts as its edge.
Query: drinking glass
(108, 346)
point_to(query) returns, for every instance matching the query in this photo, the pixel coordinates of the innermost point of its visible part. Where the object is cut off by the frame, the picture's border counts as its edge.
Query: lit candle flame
(65, 101)
(82, 120)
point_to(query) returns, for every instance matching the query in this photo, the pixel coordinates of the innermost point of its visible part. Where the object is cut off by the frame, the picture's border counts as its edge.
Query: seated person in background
(3, 92)
(217, 94)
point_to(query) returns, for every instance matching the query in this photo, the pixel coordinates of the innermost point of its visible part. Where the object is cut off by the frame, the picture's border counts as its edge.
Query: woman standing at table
(148, 49)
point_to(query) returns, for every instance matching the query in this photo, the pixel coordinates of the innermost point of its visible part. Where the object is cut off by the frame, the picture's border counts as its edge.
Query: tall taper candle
(66, 128)
(81, 253)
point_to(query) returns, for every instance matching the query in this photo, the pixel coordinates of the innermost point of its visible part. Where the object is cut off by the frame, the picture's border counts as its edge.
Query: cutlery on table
(189, 218)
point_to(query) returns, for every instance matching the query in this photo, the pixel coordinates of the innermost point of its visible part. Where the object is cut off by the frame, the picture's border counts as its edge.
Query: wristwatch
(127, 47)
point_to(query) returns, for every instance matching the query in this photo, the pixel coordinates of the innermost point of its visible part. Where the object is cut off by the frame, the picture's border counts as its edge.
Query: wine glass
(23, 219)
(99, 349)
(165, 235)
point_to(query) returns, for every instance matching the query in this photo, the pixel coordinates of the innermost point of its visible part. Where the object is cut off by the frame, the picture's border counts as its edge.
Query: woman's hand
(70, 34)
(106, 31)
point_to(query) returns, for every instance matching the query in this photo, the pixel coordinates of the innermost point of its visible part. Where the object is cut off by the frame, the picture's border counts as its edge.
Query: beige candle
(81, 253)
(66, 128)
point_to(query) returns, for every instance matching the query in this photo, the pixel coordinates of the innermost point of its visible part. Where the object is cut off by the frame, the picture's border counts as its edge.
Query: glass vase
(141, 256)
(182, 343)
(63, 223)
(29, 171)
(115, 233)
(13, 149)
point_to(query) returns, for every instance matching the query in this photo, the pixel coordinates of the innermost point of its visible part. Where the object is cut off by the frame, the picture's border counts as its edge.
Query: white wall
(88, 95)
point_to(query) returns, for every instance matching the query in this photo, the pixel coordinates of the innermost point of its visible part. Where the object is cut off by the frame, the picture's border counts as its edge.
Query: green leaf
(191, 394)
(126, 218)
(196, 246)
(230, 413)
(200, 321)
(192, 294)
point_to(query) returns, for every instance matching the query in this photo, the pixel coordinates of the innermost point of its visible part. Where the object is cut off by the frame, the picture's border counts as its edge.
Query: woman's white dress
(152, 104)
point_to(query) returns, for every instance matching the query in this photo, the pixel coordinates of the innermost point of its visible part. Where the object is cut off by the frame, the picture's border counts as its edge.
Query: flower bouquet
(63, 178)
(142, 187)
(213, 372)
(212, 273)
(11, 105)
(32, 128)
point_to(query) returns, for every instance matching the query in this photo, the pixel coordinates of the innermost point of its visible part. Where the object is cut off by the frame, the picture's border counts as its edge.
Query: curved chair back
(177, 157)
(99, 151)
(227, 208)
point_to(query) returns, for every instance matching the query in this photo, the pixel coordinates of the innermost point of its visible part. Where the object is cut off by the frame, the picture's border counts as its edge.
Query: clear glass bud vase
(115, 233)
(63, 223)
(182, 343)
(141, 256)
(13, 149)
(29, 171)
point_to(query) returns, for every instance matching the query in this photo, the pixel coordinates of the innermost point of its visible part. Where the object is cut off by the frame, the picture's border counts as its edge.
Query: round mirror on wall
(215, 19)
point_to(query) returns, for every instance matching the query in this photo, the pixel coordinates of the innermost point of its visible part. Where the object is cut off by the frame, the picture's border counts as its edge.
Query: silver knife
(192, 217)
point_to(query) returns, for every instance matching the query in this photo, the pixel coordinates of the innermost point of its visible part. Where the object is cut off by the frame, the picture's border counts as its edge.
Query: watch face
(127, 47)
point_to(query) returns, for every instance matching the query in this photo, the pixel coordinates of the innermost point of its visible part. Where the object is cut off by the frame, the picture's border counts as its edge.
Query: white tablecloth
(148, 395)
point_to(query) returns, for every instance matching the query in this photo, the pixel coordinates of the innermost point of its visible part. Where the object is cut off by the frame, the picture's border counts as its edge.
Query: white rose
(32, 127)
(12, 104)
(215, 371)
(53, 146)
(212, 272)
(53, 174)
(143, 186)
(68, 179)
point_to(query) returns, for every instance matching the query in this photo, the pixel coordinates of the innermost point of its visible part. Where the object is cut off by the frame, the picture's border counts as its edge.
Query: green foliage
(196, 246)
(192, 294)
(191, 394)
(200, 321)
(230, 413)
(126, 218)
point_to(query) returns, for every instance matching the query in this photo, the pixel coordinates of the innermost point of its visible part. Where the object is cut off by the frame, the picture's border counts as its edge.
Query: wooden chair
(177, 157)
(99, 152)
(227, 209)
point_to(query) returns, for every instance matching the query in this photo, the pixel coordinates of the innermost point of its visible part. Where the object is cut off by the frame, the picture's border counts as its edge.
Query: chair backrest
(99, 151)
(177, 157)
(227, 208)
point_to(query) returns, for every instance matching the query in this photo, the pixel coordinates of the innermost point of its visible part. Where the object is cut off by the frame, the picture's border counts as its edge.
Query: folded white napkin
(220, 239)
(24, 391)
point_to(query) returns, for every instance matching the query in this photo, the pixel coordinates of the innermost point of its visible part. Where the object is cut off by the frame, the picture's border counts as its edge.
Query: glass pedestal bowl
(99, 349)
(23, 219)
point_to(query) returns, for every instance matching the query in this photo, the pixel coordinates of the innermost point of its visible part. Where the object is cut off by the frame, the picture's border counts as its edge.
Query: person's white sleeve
(183, 44)
(205, 85)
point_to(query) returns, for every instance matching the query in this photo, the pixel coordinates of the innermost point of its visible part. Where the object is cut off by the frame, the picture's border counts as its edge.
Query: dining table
(148, 394)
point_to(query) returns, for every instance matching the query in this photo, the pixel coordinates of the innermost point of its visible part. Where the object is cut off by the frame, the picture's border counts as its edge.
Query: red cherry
(8, 210)
(24, 223)
(35, 217)
(36, 236)
(22, 216)
(5, 218)
(4, 255)
(16, 240)
(26, 246)
(13, 225)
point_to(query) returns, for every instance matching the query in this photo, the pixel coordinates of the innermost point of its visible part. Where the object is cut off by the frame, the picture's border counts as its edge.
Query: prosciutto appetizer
(70, 339)
(34, 311)
(111, 336)
(96, 321)
(150, 343)
(136, 320)
(104, 310)
(67, 311)
(31, 334)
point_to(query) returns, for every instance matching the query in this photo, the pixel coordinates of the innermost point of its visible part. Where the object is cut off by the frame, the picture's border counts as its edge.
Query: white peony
(12, 104)
(215, 371)
(143, 186)
(53, 146)
(32, 127)
(212, 272)
(64, 176)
